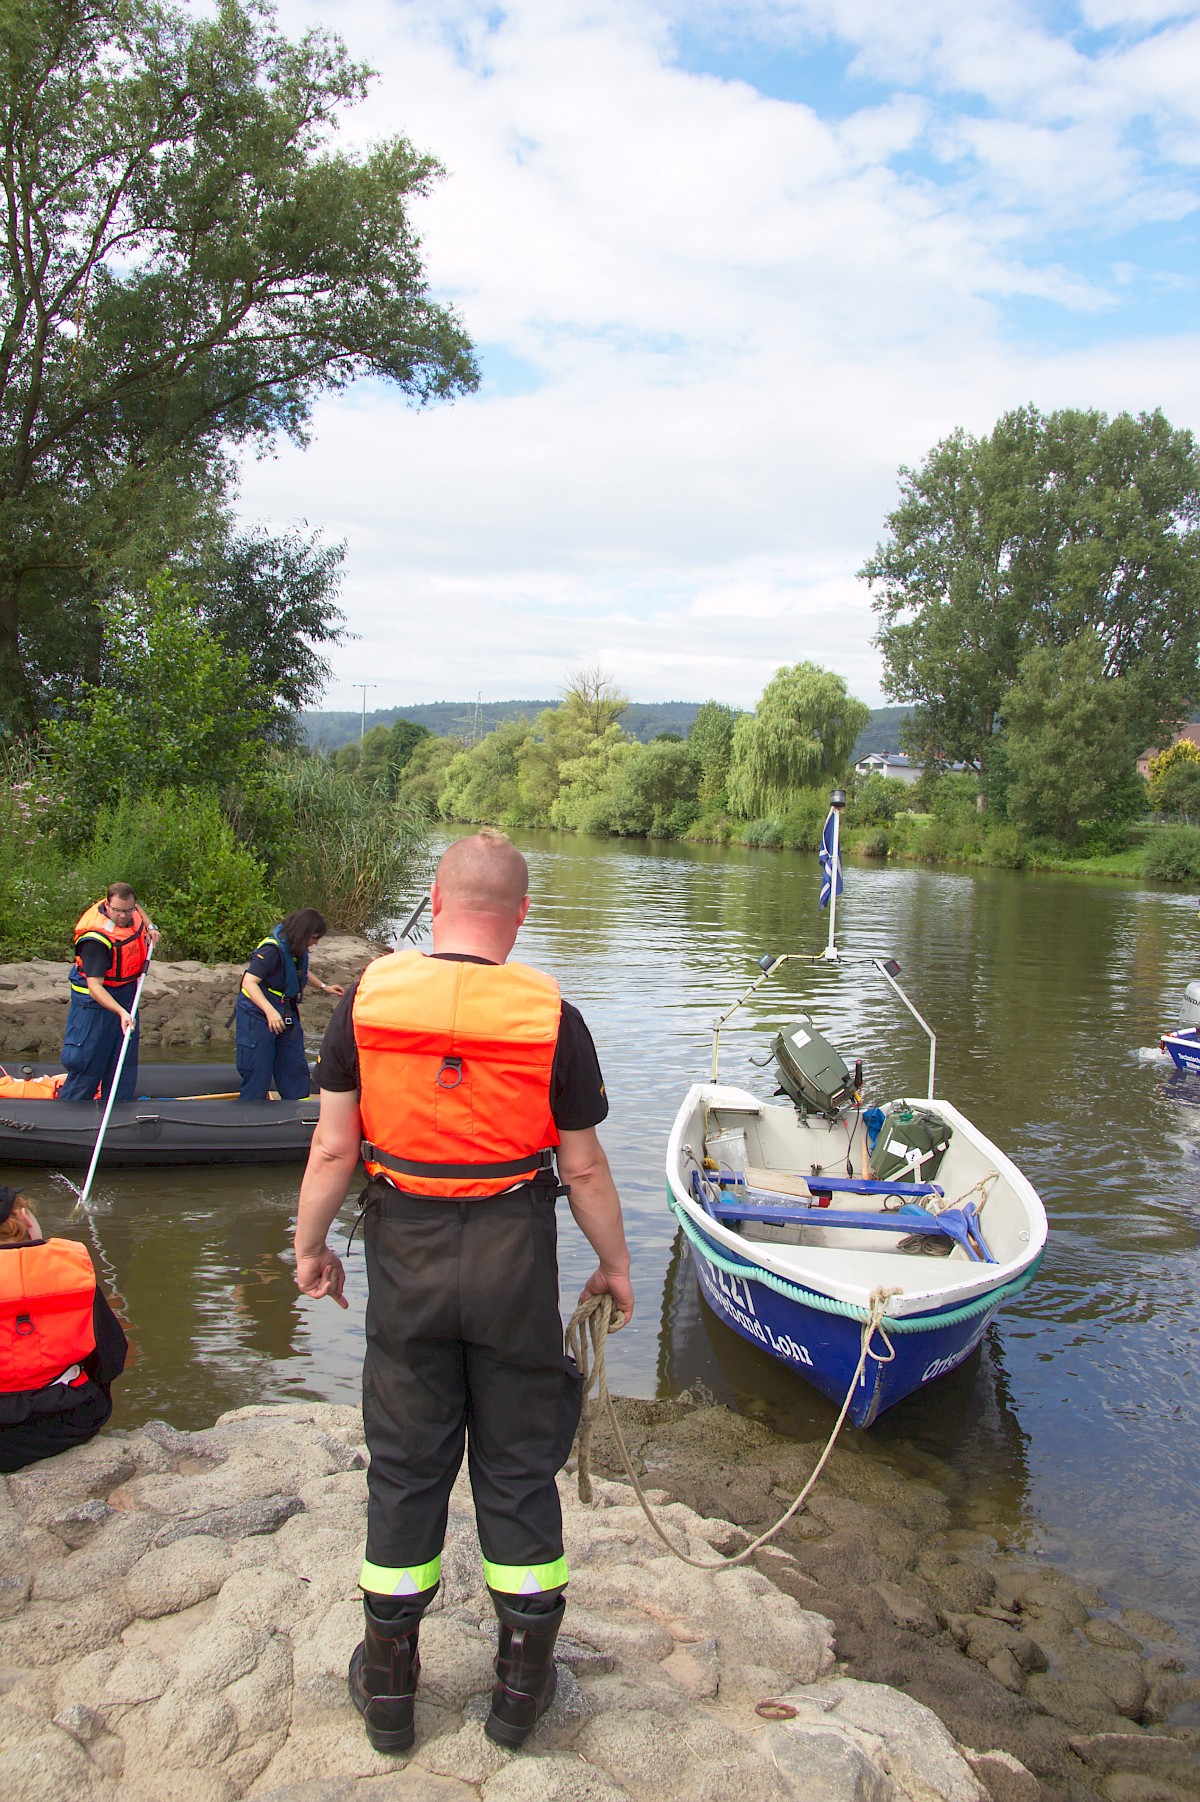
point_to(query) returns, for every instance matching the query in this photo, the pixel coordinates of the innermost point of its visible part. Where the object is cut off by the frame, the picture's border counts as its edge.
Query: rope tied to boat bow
(585, 1338)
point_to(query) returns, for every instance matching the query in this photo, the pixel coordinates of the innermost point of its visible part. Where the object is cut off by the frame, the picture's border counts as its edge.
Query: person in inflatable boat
(112, 947)
(270, 1038)
(61, 1345)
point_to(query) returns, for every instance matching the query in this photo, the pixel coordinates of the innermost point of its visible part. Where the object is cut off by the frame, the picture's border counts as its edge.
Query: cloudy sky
(727, 265)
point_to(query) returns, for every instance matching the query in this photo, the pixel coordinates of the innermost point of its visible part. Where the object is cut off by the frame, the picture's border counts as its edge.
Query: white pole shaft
(112, 1093)
(831, 947)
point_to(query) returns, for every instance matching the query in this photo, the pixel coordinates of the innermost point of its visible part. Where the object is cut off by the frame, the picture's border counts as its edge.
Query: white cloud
(742, 316)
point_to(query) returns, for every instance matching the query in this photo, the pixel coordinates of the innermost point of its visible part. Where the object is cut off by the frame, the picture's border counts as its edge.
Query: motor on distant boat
(1191, 1005)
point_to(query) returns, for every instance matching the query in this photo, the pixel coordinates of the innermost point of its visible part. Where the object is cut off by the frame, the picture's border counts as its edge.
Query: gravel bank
(179, 1609)
(183, 1003)
(1009, 1651)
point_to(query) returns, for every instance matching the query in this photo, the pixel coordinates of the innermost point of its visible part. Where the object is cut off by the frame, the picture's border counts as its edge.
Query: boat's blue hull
(824, 1348)
(1184, 1048)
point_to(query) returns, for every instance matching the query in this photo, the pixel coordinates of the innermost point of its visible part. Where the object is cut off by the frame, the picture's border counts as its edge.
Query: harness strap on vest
(537, 1160)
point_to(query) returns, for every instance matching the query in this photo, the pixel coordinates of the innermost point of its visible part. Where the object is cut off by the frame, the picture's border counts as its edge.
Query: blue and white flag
(830, 860)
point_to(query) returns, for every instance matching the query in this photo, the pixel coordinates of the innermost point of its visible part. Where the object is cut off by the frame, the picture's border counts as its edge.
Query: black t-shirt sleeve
(337, 1060)
(577, 1098)
(267, 964)
(95, 957)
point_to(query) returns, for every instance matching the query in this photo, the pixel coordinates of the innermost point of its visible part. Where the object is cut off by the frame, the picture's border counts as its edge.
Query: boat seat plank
(781, 1182)
(961, 1224)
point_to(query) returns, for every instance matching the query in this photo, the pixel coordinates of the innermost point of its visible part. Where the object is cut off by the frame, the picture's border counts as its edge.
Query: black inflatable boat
(184, 1114)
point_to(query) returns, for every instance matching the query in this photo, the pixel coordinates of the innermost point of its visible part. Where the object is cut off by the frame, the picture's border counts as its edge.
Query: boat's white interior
(739, 1133)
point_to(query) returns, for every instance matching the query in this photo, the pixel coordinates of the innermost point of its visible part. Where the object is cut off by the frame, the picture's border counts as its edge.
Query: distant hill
(881, 732)
(643, 720)
(464, 719)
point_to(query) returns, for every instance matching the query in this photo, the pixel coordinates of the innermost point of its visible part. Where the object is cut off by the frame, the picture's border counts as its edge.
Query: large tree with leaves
(1053, 526)
(185, 264)
(801, 733)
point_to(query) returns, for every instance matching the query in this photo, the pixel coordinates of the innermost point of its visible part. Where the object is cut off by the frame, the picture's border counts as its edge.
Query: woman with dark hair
(270, 1039)
(61, 1345)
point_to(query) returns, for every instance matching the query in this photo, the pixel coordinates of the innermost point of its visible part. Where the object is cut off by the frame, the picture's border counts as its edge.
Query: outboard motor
(811, 1072)
(1191, 1005)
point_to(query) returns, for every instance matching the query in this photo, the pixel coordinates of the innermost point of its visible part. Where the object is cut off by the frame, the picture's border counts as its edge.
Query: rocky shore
(183, 1003)
(177, 1611)
(1009, 1651)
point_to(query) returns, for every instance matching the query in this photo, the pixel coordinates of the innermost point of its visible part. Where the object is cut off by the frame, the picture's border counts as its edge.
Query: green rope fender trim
(825, 1304)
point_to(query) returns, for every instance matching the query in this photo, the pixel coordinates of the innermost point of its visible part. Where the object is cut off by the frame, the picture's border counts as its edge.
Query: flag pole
(837, 801)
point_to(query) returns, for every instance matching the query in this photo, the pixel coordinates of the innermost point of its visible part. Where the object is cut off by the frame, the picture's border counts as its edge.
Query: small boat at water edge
(818, 1230)
(789, 1250)
(184, 1114)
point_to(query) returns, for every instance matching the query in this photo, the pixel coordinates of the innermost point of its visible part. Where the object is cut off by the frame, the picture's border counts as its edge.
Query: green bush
(208, 895)
(767, 834)
(1173, 854)
(355, 854)
(804, 819)
(875, 800)
(955, 798)
(874, 844)
(1005, 847)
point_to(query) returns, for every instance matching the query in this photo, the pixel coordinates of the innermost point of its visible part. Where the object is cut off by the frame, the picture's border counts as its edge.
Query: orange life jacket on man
(454, 1065)
(127, 947)
(46, 1326)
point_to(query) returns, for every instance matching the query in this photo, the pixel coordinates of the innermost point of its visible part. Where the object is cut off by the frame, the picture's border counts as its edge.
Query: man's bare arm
(327, 1178)
(596, 1206)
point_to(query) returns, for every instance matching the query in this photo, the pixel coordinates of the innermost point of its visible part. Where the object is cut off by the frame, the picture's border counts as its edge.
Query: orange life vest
(46, 1295)
(30, 1088)
(126, 947)
(454, 1073)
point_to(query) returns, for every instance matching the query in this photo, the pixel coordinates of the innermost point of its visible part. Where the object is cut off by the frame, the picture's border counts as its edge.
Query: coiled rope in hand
(585, 1338)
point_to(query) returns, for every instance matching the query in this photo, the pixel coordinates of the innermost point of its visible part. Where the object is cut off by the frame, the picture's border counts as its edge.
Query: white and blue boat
(1182, 1045)
(798, 1255)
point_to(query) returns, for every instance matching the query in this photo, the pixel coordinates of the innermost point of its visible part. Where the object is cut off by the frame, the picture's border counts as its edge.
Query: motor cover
(811, 1072)
(910, 1147)
(1191, 1004)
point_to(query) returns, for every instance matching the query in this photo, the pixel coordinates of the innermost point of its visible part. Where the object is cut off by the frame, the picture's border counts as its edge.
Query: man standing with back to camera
(459, 1076)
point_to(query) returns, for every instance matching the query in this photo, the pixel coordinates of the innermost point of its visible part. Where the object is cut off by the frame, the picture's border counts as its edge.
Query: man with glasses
(112, 946)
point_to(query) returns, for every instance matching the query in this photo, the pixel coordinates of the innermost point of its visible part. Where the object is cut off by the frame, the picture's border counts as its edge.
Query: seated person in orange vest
(61, 1346)
(112, 941)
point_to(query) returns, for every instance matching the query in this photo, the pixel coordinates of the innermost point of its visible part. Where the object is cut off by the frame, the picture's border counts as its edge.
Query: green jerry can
(910, 1147)
(811, 1072)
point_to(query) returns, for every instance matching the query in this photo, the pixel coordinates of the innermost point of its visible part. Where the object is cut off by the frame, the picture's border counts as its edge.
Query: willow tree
(800, 734)
(186, 263)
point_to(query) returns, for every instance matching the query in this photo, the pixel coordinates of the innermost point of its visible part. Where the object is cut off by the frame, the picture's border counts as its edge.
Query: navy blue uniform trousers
(266, 1060)
(92, 1045)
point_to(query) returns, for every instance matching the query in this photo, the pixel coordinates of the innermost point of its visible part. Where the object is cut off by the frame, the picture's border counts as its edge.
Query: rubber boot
(382, 1678)
(525, 1676)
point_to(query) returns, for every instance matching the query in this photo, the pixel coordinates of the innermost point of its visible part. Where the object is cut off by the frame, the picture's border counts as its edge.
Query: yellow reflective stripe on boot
(525, 1579)
(399, 1580)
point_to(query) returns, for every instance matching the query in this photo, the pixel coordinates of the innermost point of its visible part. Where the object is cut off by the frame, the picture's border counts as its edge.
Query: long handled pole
(112, 1093)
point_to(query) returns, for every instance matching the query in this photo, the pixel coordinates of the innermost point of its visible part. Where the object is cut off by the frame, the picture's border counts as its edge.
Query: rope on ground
(586, 1334)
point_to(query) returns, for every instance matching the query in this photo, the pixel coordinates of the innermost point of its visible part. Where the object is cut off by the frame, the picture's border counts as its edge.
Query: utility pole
(362, 724)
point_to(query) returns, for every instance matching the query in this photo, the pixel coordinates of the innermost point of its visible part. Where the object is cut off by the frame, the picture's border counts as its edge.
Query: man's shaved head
(483, 874)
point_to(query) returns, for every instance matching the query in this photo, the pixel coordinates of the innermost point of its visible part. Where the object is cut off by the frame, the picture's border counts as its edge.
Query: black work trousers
(464, 1345)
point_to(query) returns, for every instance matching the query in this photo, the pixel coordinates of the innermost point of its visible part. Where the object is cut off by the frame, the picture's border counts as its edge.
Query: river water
(1077, 1423)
